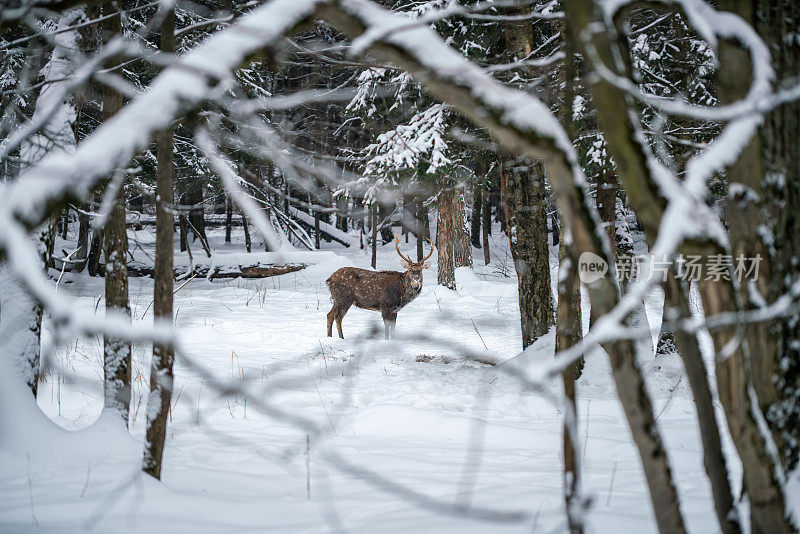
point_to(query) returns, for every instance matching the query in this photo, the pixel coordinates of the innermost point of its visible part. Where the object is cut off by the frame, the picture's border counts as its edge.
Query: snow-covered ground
(356, 435)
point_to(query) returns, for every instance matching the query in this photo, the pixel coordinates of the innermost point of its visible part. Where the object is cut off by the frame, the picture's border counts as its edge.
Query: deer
(384, 291)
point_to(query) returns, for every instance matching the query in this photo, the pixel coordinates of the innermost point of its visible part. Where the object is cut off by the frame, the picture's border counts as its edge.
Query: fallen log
(259, 270)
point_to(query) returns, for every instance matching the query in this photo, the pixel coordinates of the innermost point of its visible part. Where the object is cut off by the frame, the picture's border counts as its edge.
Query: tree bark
(341, 217)
(197, 213)
(477, 209)
(755, 364)
(445, 235)
(248, 244)
(316, 230)
(487, 224)
(778, 374)
(117, 351)
(83, 240)
(763, 489)
(569, 333)
(613, 116)
(422, 230)
(462, 248)
(524, 190)
(161, 375)
(228, 218)
(95, 251)
(374, 228)
(676, 296)
(666, 339)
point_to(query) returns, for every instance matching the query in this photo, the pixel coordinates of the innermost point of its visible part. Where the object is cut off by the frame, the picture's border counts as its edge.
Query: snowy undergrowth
(411, 410)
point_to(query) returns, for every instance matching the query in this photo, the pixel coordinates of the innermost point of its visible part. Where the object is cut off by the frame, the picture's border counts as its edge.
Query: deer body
(384, 291)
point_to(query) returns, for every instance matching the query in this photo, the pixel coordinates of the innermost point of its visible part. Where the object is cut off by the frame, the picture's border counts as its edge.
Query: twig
(179, 288)
(88, 474)
(611, 484)
(308, 467)
(479, 334)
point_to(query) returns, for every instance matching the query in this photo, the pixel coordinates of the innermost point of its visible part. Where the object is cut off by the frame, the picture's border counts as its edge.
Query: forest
(400, 266)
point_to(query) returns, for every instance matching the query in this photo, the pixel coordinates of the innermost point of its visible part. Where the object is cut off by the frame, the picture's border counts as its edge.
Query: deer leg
(339, 316)
(333, 314)
(389, 319)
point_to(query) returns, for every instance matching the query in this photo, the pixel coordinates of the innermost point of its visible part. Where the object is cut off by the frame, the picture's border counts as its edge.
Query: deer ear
(405, 264)
(426, 265)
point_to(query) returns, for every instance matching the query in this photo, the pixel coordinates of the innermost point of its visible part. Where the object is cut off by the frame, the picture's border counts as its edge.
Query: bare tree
(116, 351)
(161, 375)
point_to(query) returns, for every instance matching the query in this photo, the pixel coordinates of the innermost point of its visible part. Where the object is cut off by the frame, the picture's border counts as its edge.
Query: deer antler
(397, 246)
(429, 253)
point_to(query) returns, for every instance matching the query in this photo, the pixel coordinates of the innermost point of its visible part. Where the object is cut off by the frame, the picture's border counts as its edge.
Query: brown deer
(383, 291)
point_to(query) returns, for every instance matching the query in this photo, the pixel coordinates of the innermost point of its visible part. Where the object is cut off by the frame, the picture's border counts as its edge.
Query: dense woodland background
(616, 128)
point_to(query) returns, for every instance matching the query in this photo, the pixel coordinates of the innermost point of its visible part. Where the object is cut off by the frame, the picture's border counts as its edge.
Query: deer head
(413, 268)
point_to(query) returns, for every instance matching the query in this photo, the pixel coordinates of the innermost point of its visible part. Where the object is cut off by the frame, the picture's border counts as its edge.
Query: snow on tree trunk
(569, 333)
(161, 375)
(676, 298)
(624, 248)
(20, 328)
(767, 168)
(614, 118)
(116, 351)
(777, 373)
(57, 134)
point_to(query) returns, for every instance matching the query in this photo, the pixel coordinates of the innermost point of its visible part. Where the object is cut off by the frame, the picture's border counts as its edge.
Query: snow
(405, 435)
(403, 147)
(426, 47)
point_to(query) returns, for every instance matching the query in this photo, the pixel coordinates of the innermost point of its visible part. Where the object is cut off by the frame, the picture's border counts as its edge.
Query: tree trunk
(487, 224)
(374, 227)
(248, 244)
(316, 230)
(764, 490)
(623, 249)
(21, 327)
(384, 211)
(524, 190)
(161, 376)
(477, 204)
(422, 228)
(65, 224)
(769, 164)
(666, 339)
(83, 240)
(183, 236)
(569, 333)
(776, 374)
(614, 118)
(607, 204)
(341, 216)
(676, 297)
(228, 218)
(462, 248)
(197, 212)
(117, 351)
(96, 250)
(445, 235)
